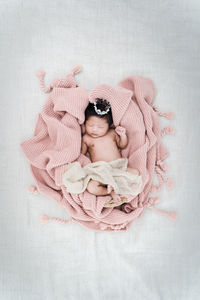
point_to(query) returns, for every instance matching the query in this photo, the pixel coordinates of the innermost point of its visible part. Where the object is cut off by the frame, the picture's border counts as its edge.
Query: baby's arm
(83, 146)
(121, 137)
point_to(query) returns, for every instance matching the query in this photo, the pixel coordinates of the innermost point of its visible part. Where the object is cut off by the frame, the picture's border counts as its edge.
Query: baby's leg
(109, 188)
(134, 171)
(96, 188)
(115, 197)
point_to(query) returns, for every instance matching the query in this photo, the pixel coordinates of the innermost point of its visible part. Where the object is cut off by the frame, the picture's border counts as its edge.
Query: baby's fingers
(120, 130)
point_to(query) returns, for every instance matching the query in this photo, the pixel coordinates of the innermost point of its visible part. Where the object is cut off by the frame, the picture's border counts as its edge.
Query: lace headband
(104, 102)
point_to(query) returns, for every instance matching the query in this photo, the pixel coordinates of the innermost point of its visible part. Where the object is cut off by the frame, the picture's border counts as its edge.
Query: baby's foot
(115, 201)
(115, 197)
(109, 188)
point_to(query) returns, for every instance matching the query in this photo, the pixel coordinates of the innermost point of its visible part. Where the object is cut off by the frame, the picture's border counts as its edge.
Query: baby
(103, 143)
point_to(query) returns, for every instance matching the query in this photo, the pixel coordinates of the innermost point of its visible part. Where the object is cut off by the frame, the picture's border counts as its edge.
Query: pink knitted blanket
(56, 141)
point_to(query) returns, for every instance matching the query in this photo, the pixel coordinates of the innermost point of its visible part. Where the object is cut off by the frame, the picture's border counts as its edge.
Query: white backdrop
(157, 258)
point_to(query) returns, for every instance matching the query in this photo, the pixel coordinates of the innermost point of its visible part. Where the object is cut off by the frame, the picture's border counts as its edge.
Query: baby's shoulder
(85, 138)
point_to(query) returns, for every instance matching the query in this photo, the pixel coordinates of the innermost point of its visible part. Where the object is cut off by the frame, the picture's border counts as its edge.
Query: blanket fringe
(169, 182)
(44, 219)
(41, 74)
(169, 115)
(167, 130)
(173, 215)
(160, 168)
(76, 69)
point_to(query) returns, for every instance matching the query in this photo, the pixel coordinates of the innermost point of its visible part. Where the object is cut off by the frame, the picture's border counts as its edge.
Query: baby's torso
(103, 148)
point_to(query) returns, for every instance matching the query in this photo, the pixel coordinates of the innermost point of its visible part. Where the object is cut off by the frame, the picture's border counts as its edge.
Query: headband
(99, 111)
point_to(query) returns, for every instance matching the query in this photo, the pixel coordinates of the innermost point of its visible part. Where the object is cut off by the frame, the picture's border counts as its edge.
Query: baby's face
(96, 127)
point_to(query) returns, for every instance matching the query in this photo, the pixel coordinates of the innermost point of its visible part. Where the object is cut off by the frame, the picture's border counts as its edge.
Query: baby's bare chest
(102, 144)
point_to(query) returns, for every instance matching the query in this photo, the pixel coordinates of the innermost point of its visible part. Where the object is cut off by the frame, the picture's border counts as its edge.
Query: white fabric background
(157, 258)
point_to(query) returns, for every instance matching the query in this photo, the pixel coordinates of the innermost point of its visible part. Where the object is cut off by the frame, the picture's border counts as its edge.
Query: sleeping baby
(108, 173)
(102, 142)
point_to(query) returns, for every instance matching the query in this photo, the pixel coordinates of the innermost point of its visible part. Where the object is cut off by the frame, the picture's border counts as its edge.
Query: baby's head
(97, 123)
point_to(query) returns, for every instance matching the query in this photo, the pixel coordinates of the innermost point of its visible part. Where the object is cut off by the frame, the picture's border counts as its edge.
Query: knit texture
(56, 142)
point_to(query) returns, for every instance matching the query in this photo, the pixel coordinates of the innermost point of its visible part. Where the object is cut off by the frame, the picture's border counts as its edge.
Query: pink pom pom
(76, 69)
(165, 167)
(44, 219)
(156, 199)
(152, 201)
(173, 215)
(169, 183)
(170, 115)
(40, 73)
(153, 188)
(32, 189)
(170, 129)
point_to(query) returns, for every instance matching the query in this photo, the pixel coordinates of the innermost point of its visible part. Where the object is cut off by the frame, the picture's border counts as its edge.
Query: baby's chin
(96, 136)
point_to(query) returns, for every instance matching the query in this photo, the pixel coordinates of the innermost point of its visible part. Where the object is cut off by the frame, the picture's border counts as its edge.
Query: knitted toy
(56, 142)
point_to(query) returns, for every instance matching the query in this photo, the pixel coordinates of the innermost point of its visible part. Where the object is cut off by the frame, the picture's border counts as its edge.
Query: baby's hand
(120, 130)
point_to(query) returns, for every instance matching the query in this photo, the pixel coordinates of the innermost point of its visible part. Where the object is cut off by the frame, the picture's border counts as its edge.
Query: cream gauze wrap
(114, 172)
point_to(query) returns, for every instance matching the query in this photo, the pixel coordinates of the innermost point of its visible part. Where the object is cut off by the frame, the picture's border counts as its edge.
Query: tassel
(151, 201)
(162, 165)
(169, 115)
(160, 168)
(40, 74)
(173, 215)
(32, 189)
(167, 130)
(155, 188)
(150, 204)
(44, 219)
(76, 69)
(169, 183)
